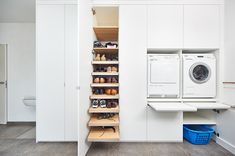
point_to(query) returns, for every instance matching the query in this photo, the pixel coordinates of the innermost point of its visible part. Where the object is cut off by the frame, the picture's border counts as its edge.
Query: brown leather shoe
(114, 91)
(108, 91)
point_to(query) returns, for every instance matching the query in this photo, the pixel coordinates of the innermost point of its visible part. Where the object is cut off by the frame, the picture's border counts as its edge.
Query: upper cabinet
(201, 26)
(165, 26)
(183, 26)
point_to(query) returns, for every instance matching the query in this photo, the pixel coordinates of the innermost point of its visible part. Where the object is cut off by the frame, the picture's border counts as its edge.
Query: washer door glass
(200, 73)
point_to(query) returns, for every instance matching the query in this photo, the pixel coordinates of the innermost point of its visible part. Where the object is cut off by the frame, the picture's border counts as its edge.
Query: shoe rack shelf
(100, 134)
(106, 33)
(105, 73)
(105, 62)
(104, 84)
(105, 50)
(104, 110)
(105, 97)
(113, 121)
(104, 129)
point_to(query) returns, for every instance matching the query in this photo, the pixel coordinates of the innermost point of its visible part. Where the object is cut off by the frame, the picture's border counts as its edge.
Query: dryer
(199, 75)
(163, 75)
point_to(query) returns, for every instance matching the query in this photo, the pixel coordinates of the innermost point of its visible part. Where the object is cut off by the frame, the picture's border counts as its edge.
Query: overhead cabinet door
(201, 26)
(165, 26)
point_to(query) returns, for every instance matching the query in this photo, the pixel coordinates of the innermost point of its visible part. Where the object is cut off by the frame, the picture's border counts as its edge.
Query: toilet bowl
(29, 100)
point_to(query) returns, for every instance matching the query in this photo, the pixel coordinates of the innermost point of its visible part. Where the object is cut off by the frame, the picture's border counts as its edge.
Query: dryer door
(163, 75)
(200, 73)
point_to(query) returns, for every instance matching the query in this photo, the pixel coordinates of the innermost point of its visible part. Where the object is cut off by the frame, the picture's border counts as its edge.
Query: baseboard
(225, 144)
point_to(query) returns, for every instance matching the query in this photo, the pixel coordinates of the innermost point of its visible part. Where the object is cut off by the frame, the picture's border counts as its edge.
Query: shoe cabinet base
(99, 134)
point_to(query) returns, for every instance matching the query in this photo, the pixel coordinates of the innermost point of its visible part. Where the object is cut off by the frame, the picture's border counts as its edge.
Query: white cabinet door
(133, 72)
(164, 126)
(165, 26)
(201, 26)
(50, 72)
(71, 61)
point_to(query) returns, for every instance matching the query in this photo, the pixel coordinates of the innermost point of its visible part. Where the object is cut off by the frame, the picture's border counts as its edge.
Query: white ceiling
(17, 11)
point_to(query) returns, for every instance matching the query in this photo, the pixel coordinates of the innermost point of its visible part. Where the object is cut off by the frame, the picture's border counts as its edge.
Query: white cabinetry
(56, 73)
(183, 26)
(133, 71)
(164, 126)
(201, 26)
(165, 26)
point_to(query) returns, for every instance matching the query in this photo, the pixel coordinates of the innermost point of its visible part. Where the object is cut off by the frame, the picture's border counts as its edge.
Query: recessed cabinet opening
(197, 74)
(201, 117)
(105, 107)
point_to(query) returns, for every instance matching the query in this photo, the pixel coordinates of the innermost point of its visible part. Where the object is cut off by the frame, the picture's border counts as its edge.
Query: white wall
(229, 40)
(20, 38)
(225, 123)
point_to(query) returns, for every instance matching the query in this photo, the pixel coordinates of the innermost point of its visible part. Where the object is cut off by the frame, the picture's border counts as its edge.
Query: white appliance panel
(161, 83)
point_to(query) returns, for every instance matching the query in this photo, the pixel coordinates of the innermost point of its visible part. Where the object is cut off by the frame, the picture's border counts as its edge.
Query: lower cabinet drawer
(164, 126)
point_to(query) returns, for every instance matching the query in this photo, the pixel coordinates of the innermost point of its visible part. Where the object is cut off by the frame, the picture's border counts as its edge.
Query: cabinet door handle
(2, 82)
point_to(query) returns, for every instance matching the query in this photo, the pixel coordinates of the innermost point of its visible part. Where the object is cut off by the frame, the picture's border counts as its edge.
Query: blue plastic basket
(198, 134)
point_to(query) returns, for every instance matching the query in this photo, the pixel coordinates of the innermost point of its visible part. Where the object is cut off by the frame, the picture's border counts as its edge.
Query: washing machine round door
(200, 73)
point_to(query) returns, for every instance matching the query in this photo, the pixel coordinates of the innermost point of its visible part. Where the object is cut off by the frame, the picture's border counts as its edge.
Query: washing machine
(199, 75)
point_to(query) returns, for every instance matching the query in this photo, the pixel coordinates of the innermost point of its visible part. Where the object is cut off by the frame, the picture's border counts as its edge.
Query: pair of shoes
(100, 69)
(112, 69)
(111, 91)
(105, 116)
(106, 69)
(100, 58)
(97, 103)
(98, 91)
(112, 104)
(112, 58)
(99, 80)
(111, 80)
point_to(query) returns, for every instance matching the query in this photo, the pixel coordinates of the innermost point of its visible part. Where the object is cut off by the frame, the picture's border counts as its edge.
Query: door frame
(6, 78)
